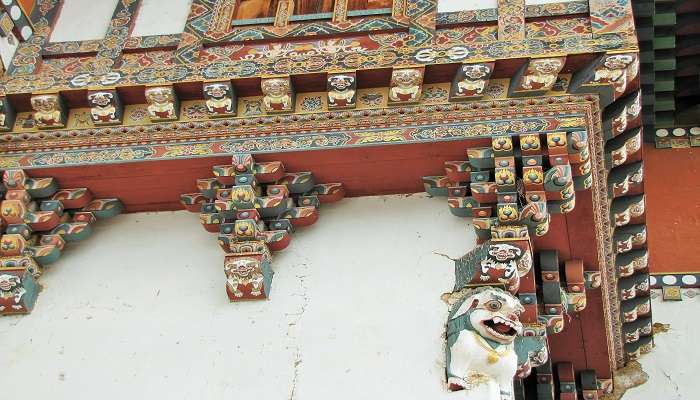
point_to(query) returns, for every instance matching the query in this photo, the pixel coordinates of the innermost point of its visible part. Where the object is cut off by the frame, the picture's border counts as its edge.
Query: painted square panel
(156, 17)
(81, 20)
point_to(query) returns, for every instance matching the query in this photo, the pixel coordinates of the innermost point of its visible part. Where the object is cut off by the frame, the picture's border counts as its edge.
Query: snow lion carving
(481, 328)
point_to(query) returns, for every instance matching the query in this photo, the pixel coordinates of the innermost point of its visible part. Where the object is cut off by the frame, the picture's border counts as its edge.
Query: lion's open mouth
(501, 327)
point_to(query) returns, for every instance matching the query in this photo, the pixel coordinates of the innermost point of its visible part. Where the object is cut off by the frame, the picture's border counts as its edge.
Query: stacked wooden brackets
(254, 207)
(37, 220)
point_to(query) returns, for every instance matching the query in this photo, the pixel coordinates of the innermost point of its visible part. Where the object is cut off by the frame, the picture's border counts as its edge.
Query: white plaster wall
(139, 311)
(465, 5)
(8, 46)
(83, 20)
(674, 364)
(159, 17)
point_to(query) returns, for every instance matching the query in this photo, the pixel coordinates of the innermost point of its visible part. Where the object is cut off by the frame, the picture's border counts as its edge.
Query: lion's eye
(493, 305)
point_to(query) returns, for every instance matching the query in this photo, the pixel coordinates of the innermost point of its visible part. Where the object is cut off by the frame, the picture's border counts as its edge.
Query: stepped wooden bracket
(500, 189)
(254, 207)
(37, 219)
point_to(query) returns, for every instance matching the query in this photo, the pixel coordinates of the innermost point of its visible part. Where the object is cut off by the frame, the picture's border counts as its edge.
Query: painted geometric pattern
(611, 16)
(558, 27)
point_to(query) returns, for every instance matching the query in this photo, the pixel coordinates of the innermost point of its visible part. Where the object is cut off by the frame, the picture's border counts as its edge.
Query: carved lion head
(158, 95)
(493, 313)
(101, 98)
(216, 90)
(341, 82)
(9, 282)
(275, 87)
(240, 267)
(407, 77)
(45, 103)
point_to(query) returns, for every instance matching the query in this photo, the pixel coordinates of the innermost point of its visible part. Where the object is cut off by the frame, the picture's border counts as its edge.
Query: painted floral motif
(311, 103)
(434, 94)
(138, 114)
(195, 111)
(372, 99)
(252, 108)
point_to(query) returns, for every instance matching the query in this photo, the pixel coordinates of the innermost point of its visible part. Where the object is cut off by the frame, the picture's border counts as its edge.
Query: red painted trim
(672, 208)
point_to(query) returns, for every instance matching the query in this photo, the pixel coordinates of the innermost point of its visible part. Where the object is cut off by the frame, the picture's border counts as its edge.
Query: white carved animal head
(275, 87)
(45, 103)
(475, 72)
(216, 90)
(341, 82)
(493, 313)
(406, 78)
(618, 61)
(158, 95)
(101, 98)
(9, 282)
(503, 252)
(547, 65)
(240, 267)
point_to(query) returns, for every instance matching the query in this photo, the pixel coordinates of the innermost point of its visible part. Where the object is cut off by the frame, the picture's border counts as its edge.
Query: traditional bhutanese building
(472, 170)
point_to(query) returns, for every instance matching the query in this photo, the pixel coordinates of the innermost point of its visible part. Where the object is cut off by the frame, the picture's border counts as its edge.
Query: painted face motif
(407, 77)
(216, 91)
(619, 61)
(547, 66)
(504, 252)
(275, 87)
(341, 82)
(8, 282)
(44, 103)
(241, 267)
(101, 99)
(475, 72)
(158, 95)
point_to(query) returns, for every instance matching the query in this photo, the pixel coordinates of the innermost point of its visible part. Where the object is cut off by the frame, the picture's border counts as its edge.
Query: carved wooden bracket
(490, 184)
(37, 219)
(255, 207)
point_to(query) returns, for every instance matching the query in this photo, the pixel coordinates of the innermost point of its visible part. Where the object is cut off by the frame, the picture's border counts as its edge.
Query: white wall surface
(83, 20)
(139, 311)
(158, 17)
(465, 5)
(8, 46)
(674, 363)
